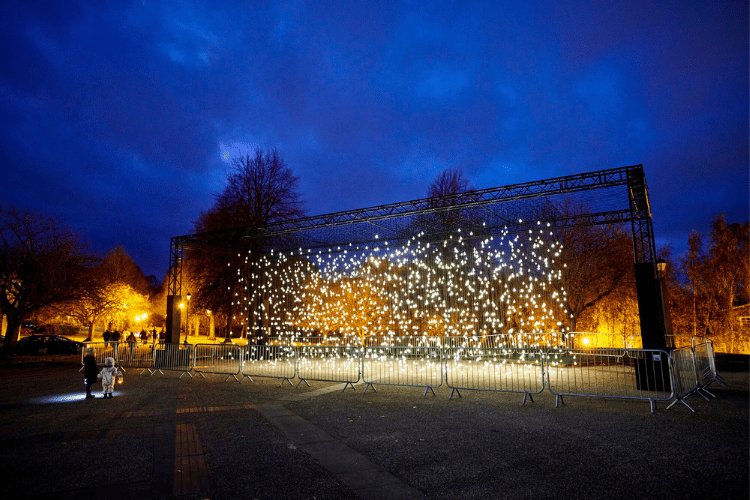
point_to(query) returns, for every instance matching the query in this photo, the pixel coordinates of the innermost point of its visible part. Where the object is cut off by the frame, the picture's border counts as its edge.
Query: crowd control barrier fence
(174, 358)
(269, 361)
(611, 373)
(517, 370)
(587, 341)
(132, 356)
(404, 366)
(102, 351)
(705, 366)
(564, 368)
(219, 359)
(329, 364)
(684, 375)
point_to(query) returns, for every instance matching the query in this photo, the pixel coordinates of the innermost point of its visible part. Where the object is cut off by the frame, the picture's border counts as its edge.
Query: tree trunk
(572, 320)
(12, 334)
(211, 328)
(91, 332)
(229, 325)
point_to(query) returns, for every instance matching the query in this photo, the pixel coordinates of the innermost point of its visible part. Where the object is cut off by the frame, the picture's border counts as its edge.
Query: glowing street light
(661, 267)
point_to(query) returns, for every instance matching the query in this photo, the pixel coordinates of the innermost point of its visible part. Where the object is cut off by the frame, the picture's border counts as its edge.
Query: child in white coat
(109, 376)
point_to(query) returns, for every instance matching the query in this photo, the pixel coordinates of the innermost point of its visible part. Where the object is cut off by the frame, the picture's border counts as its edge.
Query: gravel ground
(482, 445)
(488, 445)
(55, 444)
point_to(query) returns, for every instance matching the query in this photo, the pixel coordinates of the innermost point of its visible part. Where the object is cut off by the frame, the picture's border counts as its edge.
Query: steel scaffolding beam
(514, 208)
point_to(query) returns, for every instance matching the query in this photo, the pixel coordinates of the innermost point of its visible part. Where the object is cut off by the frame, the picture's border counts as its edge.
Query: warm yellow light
(182, 305)
(586, 341)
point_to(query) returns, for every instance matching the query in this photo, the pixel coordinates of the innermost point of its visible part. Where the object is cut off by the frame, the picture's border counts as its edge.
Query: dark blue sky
(121, 117)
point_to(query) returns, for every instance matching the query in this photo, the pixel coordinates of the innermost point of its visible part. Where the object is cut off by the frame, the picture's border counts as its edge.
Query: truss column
(651, 372)
(174, 291)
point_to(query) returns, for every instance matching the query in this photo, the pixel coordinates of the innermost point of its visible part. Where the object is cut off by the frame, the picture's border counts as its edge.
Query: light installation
(464, 286)
(471, 265)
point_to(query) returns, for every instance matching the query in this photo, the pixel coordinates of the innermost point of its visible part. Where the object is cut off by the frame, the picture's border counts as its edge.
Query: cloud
(121, 117)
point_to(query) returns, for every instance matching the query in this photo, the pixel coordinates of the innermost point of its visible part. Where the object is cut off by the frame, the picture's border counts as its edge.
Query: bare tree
(445, 221)
(42, 262)
(261, 189)
(598, 261)
(450, 181)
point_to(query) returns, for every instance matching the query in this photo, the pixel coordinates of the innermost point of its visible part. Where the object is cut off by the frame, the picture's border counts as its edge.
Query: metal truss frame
(630, 178)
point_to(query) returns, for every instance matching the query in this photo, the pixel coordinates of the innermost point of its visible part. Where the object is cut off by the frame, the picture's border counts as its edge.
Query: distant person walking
(131, 343)
(115, 336)
(90, 370)
(107, 335)
(109, 376)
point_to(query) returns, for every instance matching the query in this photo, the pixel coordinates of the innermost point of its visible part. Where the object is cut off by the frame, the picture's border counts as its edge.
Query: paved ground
(164, 437)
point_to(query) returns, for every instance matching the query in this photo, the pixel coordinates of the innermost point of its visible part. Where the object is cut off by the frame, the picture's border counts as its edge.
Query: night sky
(121, 118)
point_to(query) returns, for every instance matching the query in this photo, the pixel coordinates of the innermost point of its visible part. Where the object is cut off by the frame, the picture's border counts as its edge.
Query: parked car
(29, 325)
(48, 344)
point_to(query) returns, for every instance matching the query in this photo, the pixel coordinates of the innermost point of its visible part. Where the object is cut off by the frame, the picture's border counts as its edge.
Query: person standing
(107, 336)
(90, 370)
(109, 375)
(131, 343)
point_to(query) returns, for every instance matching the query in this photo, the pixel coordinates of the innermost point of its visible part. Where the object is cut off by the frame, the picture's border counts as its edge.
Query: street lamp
(661, 267)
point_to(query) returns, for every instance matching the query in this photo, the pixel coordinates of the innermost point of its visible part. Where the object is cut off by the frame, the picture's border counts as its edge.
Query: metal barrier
(219, 359)
(703, 372)
(462, 362)
(712, 363)
(269, 361)
(329, 364)
(132, 356)
(684, 375)
(589, 340)
(633, 342)
(611, 373)
(705, 368)
(516, 370)
(405, 366)
(410, 341)
(103, 350)
(679, 341)
(174, 357)
(672, 341)
(318, 340)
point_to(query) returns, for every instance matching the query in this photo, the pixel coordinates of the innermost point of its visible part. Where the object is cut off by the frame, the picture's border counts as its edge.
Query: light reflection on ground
(68, 398)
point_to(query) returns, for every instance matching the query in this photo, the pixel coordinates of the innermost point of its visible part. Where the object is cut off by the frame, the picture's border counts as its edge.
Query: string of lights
(481, 264)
